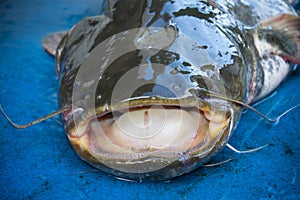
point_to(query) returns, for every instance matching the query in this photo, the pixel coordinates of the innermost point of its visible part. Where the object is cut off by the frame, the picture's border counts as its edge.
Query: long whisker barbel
(62, 110)
(274, 120)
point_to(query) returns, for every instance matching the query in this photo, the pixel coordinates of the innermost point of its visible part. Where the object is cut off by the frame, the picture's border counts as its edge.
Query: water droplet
(88, 84)
(174, 71)
(175, 87)
(74, 114)
(76, 86)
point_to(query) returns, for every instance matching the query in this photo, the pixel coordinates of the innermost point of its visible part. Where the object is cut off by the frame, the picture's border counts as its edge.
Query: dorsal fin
(283, 32)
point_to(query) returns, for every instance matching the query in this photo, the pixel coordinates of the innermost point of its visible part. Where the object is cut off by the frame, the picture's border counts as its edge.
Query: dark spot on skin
(166, 17)
(93, 23)
(194, 12)
(78, 40)
(186, 64)
(265, 57)
(220, 54)
(271, 68)
(201, 47)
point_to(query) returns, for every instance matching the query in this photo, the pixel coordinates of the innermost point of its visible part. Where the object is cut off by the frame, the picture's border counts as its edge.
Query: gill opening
(271, 120)
(23, 126)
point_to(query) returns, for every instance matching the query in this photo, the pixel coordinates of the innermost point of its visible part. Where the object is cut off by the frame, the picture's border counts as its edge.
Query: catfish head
(141, 103)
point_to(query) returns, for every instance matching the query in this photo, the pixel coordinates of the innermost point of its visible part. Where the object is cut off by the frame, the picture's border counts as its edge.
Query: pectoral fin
(283, 34)
(51, 41)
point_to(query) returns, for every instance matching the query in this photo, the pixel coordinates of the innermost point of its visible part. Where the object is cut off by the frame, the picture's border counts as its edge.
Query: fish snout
(156, 142)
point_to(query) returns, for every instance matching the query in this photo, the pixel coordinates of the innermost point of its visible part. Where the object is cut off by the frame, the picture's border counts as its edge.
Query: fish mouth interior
(149, 129)
(148, 138)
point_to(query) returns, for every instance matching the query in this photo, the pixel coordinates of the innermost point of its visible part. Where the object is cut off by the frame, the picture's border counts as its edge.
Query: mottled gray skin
(231, 17)
(222, 59)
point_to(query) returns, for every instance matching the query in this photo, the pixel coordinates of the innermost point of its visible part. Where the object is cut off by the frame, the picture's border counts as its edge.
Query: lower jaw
(143, 171)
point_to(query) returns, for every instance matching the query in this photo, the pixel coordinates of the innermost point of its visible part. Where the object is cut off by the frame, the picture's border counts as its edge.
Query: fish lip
(86, 146)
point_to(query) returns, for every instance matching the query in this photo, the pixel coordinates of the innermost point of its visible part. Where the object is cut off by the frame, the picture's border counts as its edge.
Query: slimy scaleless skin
(137, 79)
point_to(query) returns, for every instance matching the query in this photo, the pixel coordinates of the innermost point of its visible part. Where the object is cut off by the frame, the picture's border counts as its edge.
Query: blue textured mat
(39, 163)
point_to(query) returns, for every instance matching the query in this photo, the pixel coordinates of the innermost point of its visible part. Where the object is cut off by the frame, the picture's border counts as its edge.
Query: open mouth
(143, 139)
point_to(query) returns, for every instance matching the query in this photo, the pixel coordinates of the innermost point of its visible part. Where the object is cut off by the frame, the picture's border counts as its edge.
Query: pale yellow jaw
(151, 128)
(148, 138)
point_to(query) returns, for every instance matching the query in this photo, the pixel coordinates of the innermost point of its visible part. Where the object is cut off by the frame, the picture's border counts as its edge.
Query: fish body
(138, 80)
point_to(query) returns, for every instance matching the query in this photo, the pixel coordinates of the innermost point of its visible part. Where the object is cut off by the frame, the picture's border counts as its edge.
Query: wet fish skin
(230, 64)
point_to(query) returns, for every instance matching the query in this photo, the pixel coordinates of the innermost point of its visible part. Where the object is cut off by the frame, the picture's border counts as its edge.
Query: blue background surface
(39, 163)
